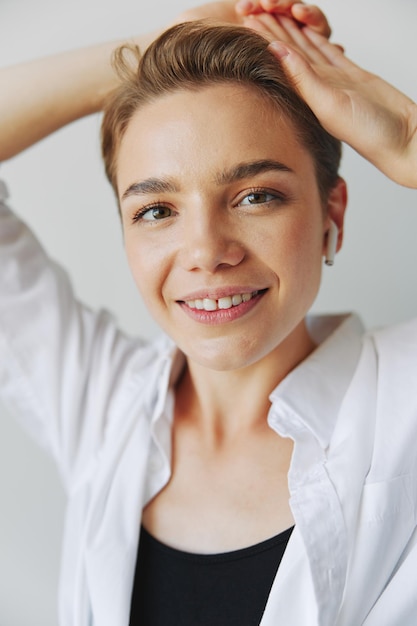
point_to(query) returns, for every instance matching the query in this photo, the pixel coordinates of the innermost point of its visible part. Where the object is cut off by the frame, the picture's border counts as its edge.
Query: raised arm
(41, 96)
(363, 110)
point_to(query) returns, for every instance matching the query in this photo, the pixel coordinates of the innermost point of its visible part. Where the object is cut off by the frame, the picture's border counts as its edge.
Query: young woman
(253, 433)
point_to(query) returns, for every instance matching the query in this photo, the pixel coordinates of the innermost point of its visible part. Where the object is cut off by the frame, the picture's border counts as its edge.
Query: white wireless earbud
(332, 237)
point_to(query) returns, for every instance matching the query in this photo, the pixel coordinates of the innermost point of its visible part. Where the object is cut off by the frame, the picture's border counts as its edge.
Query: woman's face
(223, 223)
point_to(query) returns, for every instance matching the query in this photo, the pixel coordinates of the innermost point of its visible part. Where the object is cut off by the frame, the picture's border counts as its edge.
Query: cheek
(306, 262)
(307, 242)
(296, 242)
(148, 267)
(296, 254)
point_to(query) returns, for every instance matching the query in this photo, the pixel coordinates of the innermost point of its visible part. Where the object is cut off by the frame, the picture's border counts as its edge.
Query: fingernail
(279, 50)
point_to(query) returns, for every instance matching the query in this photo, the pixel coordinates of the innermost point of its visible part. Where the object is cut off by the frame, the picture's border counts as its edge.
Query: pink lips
(222, 316)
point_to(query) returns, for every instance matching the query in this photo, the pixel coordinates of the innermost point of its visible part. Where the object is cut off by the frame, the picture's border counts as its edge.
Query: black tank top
(175, 588)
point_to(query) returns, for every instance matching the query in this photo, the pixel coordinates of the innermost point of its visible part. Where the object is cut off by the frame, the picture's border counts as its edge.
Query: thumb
(330, 104)
(312, 88)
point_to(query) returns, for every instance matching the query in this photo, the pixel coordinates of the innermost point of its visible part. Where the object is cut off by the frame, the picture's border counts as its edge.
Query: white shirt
(102, 404)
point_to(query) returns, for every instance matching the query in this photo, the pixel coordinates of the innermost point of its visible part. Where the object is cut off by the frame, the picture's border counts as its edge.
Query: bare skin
(222, 450)
(222, 446)
(305, 14)
(228, 490)
(229, 483)
(43, 95)
(229, 486)
(355, 106)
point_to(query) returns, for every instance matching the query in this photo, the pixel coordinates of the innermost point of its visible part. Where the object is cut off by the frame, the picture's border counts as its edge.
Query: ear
(335, 211)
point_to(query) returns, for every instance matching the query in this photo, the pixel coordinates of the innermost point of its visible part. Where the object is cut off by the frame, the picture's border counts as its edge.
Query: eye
(152, 213)
(259, 197)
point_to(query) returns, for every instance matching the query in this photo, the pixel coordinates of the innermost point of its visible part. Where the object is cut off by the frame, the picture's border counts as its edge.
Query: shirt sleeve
(62, 367)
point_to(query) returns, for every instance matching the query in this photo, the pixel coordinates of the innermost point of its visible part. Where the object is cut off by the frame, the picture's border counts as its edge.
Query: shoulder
(396, 398)
(396, 347)
(404, 333)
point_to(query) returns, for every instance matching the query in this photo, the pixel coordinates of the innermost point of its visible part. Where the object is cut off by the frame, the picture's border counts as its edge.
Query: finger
(306, 14)
(311, 16)
(329, 105)
(278, 6)
(333, 53)
(269, 26)
(248, 7)
(254, 7)
(297, 37)
(299, 69)
(286, 30)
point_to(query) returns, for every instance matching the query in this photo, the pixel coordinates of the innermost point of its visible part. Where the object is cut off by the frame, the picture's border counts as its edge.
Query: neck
(223, 403)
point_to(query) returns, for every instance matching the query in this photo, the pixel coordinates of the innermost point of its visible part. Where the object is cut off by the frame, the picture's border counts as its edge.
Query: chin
(225, 355)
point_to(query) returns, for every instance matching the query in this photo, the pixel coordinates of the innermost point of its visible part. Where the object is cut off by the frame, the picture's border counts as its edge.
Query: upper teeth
(208, 304)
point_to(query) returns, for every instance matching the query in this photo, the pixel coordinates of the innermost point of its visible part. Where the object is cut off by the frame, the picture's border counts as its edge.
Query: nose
(210, 242)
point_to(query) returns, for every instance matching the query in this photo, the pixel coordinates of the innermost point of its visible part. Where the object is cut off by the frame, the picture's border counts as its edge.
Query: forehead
(196, 134)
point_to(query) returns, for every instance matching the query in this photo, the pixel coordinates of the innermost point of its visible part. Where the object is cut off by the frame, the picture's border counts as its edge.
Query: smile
(227, 302)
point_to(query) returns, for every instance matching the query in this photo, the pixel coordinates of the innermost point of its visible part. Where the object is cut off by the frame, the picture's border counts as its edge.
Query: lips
(229, 306)
(226, 302)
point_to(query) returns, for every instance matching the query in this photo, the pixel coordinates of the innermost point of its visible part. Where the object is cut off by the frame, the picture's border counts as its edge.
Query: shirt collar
(313, 392)
(169, 364)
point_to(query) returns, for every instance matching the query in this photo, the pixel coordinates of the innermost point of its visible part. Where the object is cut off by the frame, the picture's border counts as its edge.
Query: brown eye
(258, 197)
(156, 213)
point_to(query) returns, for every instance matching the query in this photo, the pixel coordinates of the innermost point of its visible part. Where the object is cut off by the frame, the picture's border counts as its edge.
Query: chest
(225, 498)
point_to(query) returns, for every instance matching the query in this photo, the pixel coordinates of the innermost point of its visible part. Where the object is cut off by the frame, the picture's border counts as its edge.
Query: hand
(355, 106)
(305, 14)
(233, 12)
(219, 11)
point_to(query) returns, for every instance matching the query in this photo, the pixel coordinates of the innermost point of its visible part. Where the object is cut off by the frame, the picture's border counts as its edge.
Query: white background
(59, 187)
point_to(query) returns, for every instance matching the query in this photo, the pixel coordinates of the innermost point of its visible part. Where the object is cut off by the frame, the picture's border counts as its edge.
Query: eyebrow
(253, 168)
(234, 174)
(149, 186)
